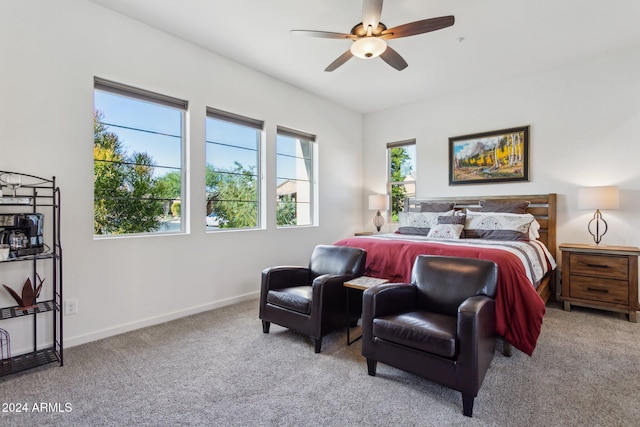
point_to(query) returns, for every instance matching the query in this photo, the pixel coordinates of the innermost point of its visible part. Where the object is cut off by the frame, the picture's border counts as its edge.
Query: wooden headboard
(541, 206)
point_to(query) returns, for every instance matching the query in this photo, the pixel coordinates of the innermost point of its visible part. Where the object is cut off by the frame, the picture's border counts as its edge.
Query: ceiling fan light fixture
(368, 47)
(370, 36)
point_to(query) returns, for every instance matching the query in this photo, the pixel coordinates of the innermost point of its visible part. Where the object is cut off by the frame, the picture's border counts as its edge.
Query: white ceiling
(491, 40)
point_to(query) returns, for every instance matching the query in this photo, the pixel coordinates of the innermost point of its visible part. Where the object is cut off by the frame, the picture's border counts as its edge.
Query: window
(233, 170)
(295, 180)
(401, 157)
(138, 161)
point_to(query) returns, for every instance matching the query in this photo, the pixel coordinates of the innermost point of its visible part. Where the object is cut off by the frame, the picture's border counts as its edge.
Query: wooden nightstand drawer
(615, 267)
(600, 290)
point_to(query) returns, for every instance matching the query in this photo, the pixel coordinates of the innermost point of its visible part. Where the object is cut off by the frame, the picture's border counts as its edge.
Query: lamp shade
(377, 202)
(368, 47)
(606, 197)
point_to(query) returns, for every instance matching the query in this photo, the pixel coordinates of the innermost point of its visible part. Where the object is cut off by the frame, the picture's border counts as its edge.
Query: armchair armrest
(284, 276)
(381, 300)
(329, 287)
(280, 277)
(387, 298)
(331, 279)
(477, 314)
(476, 337)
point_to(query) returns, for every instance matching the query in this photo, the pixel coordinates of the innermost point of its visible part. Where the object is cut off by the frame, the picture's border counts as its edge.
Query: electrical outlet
(71, 306)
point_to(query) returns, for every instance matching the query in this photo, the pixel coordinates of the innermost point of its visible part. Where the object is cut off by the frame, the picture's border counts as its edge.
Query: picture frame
(489, 157)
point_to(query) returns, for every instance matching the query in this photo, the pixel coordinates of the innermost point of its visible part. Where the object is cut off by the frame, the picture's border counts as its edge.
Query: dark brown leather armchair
(311, 300)
(440, 327)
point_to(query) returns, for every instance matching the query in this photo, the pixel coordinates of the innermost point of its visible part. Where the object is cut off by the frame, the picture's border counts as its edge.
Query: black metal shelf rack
(37, 195)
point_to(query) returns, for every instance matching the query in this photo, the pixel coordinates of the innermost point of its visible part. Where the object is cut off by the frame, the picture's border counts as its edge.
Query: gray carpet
(218, 368)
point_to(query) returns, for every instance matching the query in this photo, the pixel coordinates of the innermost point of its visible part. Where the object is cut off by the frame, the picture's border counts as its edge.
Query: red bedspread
(519, 309)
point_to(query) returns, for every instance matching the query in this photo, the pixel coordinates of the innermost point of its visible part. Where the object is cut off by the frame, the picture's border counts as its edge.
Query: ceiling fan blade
(339, 61)
(371, 11)
(418, 27)
(394, 59)
(323, 34)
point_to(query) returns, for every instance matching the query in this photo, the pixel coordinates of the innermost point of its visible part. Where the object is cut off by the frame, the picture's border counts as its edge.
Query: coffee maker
(23, 233)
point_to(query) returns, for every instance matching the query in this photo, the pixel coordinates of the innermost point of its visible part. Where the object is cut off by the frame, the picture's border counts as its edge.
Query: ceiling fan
(370, 36)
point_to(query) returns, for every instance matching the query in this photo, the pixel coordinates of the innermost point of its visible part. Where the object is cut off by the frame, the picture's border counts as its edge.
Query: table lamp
(607, 197)
(378, 202)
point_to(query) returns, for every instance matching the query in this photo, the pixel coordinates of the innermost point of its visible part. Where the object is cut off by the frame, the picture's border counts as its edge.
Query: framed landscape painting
(497, 156)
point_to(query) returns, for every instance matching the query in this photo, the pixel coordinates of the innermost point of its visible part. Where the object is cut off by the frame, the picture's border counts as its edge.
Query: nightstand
(361, 284)
(604, 277)
(363, 233)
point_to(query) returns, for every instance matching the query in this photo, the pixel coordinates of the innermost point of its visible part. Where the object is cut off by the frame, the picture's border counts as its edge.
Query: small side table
(363, 233)
(361, 284)
(603, 277)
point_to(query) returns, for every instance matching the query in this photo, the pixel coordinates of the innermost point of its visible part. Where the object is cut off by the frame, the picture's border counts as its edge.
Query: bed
(526, 264)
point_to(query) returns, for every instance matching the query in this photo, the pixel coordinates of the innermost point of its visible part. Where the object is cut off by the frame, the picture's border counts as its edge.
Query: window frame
(390, 183)
(258, 125)
(143, 95)
(313, 175)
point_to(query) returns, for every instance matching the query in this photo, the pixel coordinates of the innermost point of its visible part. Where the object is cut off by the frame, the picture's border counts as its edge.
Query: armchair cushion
(296, 298)
(431, 332)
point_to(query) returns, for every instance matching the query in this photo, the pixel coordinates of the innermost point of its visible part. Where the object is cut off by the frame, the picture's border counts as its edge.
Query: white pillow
(534, 228)
(421, 219)
(445, 231)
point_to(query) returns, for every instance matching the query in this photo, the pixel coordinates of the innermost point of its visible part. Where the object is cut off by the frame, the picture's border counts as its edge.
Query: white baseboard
(127, 327)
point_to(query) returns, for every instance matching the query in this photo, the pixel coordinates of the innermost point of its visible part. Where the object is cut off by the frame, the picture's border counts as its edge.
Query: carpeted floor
(219, 369)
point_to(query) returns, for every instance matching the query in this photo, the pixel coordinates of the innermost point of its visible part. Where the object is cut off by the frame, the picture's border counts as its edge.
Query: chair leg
(467, 405)
(371, 366)
(318, 344)
(265, 326)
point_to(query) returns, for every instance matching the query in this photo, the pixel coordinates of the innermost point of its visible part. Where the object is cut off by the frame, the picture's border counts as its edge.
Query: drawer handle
(598, 265)
(604, 291)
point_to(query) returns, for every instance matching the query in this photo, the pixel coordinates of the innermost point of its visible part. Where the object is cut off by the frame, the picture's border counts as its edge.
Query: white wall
(50, 53)
(584, 120)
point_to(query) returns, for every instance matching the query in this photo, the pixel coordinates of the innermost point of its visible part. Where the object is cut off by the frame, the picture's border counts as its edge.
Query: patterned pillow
(498, 226)
(533, 229)
(420, 219)
(455, 219)
(445, 231)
